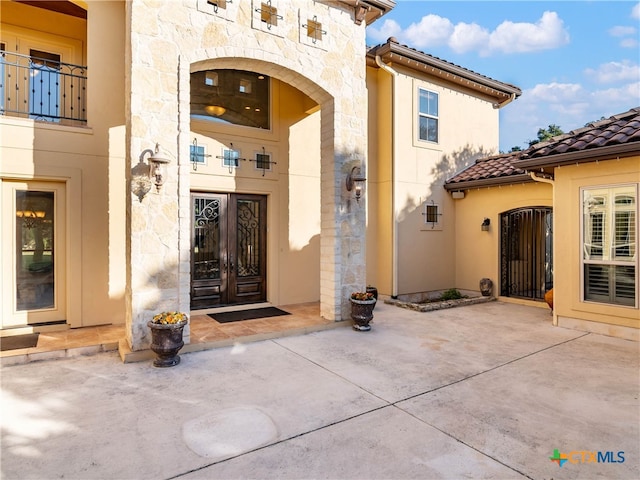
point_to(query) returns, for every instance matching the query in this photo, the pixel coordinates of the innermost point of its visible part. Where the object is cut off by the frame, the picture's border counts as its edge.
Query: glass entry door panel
(35, 273)
(228, 263)
(33, 253)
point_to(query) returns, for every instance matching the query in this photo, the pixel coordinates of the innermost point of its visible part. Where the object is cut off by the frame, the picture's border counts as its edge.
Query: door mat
(247, 314)
(15, 342)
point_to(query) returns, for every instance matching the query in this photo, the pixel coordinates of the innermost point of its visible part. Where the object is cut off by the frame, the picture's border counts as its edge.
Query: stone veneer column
(343, 220)
(157, 226)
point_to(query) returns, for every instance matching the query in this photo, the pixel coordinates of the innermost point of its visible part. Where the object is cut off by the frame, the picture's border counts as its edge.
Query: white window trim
(255, 163)
(419, 115)
(612, 262)
(432, 226)
(222, 159)
(201, 159)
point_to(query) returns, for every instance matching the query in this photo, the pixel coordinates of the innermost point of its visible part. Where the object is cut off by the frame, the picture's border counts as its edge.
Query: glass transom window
(234, 97)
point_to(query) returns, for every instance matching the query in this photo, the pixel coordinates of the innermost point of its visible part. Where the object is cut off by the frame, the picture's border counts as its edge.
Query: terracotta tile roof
(620, 129)
(497, 168)
(618, 135)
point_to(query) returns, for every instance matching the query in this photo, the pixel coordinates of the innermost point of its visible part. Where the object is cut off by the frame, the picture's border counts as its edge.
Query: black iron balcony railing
(42, 89)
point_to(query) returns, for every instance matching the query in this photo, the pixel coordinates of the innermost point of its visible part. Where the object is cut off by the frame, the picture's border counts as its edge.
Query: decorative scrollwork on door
(248, 246)
(206, 241)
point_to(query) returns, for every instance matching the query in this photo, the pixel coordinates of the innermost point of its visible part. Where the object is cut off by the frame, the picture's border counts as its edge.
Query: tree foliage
(545, 134)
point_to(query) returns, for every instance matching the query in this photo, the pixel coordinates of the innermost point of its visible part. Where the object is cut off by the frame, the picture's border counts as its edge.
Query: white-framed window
(427, 115)
(263, 161)
(198, 154)
(230, 158)
(610, 244)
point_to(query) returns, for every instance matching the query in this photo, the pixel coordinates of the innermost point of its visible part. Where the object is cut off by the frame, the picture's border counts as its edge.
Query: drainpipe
(551, 182)
(394, 227)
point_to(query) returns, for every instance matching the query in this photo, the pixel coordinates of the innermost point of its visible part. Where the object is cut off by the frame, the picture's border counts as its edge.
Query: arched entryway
(526, 253)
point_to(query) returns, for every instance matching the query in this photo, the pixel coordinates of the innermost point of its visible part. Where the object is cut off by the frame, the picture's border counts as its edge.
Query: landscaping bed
(438, 304)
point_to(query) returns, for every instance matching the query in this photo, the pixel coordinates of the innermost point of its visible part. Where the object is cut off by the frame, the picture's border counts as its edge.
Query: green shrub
(451, 294)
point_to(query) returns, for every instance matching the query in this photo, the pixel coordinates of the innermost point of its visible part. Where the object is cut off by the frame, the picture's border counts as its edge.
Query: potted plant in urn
(166, 337)
(362, 304)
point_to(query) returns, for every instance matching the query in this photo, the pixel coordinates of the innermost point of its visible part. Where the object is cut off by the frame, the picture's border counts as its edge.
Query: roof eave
(610, 152)
(388, 50)
(369, 10)
(488, 182)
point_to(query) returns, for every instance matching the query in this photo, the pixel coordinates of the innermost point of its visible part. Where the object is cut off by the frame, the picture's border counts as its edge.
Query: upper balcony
(42, 88)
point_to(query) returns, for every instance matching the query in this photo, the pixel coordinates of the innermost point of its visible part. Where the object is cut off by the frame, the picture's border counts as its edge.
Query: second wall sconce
(356, 180)
(157, 165)
(485, 225)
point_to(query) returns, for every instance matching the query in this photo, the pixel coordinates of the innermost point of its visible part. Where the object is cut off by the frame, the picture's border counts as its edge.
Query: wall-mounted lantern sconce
(157, 166)
(485, 225)
(355, 179)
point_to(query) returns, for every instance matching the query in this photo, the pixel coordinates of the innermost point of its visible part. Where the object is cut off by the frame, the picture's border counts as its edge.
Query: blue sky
(575, 61)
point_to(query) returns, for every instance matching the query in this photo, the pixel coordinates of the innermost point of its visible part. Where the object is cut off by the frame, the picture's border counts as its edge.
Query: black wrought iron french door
(526, 253)
(228, 249)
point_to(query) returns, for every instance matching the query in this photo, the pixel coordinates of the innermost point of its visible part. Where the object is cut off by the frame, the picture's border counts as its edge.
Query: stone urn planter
(166, 337)
(362, 304)
(486, 287)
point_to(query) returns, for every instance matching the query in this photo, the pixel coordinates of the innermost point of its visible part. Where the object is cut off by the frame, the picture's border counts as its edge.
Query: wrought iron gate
(526, 254)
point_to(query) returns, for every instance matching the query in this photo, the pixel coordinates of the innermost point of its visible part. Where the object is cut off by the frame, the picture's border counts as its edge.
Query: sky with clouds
(575, 61)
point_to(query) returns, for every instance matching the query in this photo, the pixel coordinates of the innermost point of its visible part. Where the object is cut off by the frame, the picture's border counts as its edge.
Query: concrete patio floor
(482, 391)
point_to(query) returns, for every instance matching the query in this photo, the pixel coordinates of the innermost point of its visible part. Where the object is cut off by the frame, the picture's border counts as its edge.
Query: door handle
(224, 262)
(231, 262)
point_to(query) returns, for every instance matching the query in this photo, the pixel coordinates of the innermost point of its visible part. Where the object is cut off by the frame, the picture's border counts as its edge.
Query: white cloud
(626, 94)
(467, 37)
(389, 28)
(635, 11)
(615, 72)
(568, 105)
(508, 37)
(629, 43)
(554, 92)
(545, 34)
(431, 31)
(621, 31)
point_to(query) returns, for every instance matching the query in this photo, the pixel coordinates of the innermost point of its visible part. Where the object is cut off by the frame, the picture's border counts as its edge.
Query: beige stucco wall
(292, 187)
(569, 307)
(88, 160)
(406, 173)
(477, 253)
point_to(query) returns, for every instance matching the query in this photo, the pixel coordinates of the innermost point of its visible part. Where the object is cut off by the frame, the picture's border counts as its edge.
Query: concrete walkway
(483, 391)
